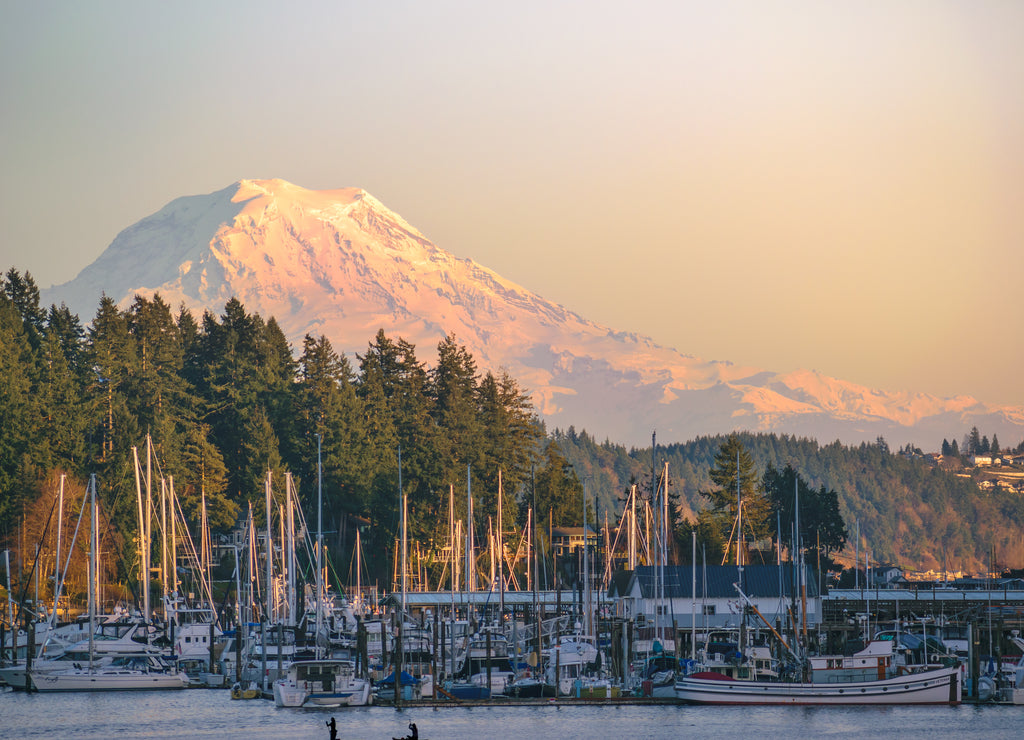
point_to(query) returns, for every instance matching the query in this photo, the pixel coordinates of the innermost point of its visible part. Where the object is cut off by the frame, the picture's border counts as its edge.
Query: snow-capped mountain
(341, 264)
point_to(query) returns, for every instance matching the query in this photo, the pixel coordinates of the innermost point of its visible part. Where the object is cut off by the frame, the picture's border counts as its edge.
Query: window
(709, 610)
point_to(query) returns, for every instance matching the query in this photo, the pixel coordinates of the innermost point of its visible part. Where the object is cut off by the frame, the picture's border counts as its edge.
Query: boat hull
(931, 687)
(358, 697)
(101, 681)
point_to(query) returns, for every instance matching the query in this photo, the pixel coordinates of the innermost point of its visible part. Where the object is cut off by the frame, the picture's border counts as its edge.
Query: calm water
(212, 714)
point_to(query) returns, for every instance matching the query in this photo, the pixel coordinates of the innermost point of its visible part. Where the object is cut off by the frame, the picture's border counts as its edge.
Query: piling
(30, 648)
(263, 654)
(280, 644)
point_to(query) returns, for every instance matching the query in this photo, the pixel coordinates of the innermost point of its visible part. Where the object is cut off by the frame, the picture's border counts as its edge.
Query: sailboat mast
(56, 559)
(359, 567)
(586, 566)
(174, 538)
(142, 515)
(501, 555)
(632, 527)
(799, 544)
(405, 531)
(204, 526)
(147, 537)
(269, 551)
(290, 513)
(693, 597)
(93, 563)
(319, 540)
(165, 574)
(470, 566)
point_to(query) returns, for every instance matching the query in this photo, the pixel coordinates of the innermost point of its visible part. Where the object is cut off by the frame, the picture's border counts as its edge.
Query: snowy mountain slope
(340, 263)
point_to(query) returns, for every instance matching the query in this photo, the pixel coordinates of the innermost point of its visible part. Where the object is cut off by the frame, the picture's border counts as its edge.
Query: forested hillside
(224, 401)
(909, 512)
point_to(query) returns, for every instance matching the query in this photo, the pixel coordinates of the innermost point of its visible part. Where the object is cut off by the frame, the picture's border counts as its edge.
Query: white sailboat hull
(86, 680)
(932, 687)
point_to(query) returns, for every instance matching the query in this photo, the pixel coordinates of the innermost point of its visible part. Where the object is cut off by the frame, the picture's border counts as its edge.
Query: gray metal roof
(758, 581)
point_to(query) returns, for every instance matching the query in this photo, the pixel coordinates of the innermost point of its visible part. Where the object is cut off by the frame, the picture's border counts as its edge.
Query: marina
(211, 714)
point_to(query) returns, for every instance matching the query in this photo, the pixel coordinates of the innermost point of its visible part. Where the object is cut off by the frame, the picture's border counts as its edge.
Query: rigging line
(35, 563)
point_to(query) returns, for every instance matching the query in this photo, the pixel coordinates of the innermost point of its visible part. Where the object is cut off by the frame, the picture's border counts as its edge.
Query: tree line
(906, 510)
(224, 401)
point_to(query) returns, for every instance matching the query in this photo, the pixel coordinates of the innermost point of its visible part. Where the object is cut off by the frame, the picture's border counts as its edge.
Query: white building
(651, 598)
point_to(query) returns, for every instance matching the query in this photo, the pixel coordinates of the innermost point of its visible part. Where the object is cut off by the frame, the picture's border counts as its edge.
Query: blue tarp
(407, 680)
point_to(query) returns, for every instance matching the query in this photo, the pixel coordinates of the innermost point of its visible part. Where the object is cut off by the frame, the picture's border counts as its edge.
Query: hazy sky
(828, 185)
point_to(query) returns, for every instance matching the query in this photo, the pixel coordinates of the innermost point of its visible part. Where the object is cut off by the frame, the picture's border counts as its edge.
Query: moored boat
(940, 686)
(322, 683)
(122, 674)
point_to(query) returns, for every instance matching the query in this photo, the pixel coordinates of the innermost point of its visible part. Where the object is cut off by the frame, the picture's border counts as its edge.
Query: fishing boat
(321, 683)
(941, 686)
(866, 677)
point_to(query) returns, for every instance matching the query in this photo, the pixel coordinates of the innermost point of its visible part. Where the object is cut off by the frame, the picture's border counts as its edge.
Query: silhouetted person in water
(334, 728)
(414, 736)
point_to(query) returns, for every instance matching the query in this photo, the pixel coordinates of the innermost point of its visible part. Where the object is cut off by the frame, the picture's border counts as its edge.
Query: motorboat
(321, 683)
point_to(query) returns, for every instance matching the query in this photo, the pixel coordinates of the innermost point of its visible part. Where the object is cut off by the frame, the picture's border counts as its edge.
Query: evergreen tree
(63, 416)
(16, 432)
(235, 382)
(995, 445)
(24, 295)
(733, 462)
(559, 491)
(112, 360)
(973, 446)
(510, 434)
(327, 404)
(820, 519)
(376, 389)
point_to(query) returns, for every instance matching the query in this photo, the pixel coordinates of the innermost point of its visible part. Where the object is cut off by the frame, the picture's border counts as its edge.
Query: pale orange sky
(833, 186)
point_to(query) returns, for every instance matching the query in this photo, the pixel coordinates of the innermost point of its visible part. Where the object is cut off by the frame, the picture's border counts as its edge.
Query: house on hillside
(567, 540)
(649, 598)
(887, 576)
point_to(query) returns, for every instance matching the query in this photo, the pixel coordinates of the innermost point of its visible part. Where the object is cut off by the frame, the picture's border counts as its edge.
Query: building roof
(758, 581)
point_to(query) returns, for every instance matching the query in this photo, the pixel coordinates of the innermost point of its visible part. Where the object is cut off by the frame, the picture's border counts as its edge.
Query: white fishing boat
(869, 676)
(941, 686)
(321, 683)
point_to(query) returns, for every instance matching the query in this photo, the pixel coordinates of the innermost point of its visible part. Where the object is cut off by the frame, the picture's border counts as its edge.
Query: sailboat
(870, 676)
(321, 682)
(125, 672)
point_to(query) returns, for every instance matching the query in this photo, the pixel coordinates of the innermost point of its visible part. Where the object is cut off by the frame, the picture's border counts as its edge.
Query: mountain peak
(341, 264)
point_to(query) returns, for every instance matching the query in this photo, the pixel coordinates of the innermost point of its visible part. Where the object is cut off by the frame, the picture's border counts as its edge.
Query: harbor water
(213, 714)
